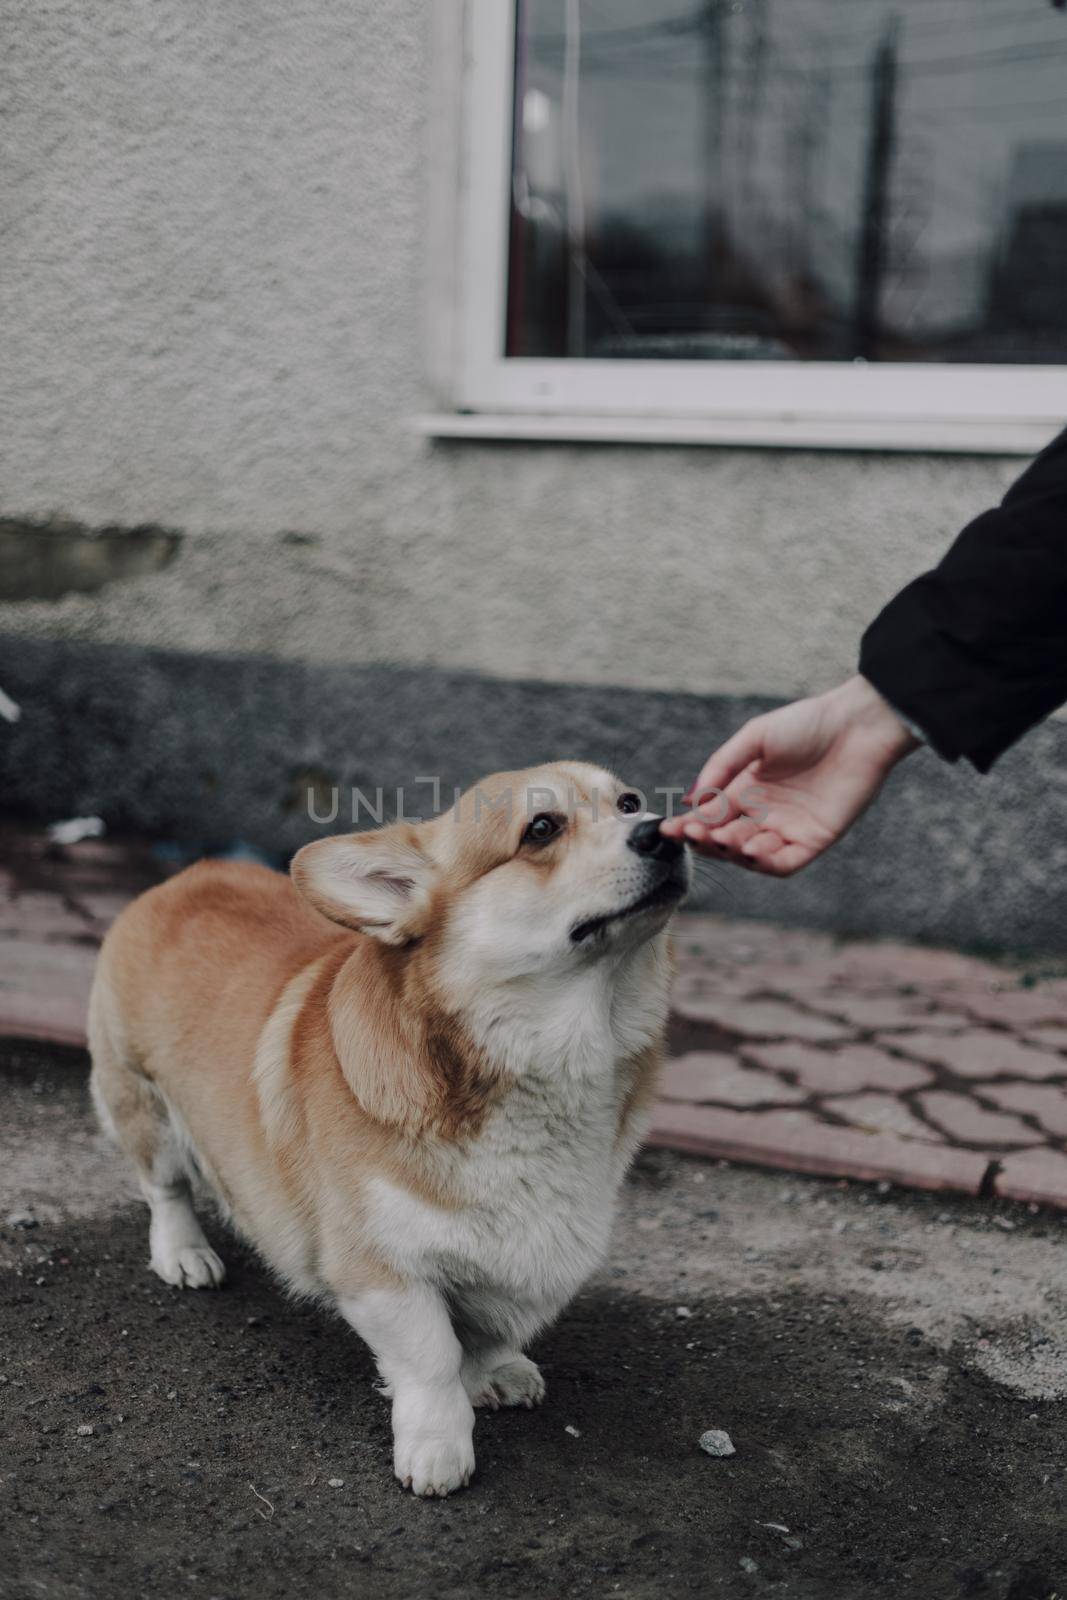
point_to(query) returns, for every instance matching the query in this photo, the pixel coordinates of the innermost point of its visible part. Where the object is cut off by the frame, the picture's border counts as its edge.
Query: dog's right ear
(378, 883)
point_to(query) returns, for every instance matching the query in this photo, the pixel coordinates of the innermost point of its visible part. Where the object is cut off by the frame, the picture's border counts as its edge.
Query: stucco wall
(213, 265)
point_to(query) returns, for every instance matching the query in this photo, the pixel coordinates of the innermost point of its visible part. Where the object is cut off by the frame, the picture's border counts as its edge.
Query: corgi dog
(413, 1074)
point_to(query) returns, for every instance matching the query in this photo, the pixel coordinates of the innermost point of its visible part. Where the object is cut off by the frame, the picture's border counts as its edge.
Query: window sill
(985, 436)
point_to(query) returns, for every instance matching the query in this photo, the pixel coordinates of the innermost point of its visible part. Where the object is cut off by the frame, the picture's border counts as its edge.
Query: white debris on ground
(717, 1442)
(75, 829)
(9, 710)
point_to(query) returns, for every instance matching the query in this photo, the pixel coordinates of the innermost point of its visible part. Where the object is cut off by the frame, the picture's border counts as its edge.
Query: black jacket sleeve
(974, 653)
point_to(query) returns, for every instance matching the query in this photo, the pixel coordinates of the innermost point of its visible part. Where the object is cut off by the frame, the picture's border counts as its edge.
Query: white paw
(515, 1382)
(434, 1466)
(194, 1266)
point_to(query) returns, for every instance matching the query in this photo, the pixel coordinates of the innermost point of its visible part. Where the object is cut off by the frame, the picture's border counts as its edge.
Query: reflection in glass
(825, 180)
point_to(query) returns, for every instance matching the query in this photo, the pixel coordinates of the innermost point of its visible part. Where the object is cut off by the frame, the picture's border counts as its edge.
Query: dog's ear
(378, 882)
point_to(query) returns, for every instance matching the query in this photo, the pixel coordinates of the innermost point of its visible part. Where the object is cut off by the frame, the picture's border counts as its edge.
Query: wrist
(869, 714)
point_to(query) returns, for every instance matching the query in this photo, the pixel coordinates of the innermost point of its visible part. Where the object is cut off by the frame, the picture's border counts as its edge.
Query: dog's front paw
(433, 1452)
(433, 1466)
(515, 1382)
(194, 1267)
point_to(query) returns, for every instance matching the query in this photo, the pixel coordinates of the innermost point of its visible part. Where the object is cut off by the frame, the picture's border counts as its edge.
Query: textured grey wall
(214, 250)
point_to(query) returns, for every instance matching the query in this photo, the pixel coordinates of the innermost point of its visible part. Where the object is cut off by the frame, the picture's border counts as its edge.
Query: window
(827, 221)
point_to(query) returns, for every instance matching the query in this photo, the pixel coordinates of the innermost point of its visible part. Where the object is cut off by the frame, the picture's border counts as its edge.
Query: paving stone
(1049, 1038)
(1045, 1101)
(713, 1075)
(60, 1018)
(1037, 1176)
(891, 1011)
(967, 1122)
(856, 1066)
(102, 906)
(1017, 1008)
(36, 915)
(760, 1019)
(898, 965)
(982, 1053)
(696, 989)
(45, 964)
(748, 941)
(794, 977)
(881, 1113)
(798, 1141)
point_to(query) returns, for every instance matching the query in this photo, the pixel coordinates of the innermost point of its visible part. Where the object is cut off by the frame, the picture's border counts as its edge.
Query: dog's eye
(629, 804)
(542, 829)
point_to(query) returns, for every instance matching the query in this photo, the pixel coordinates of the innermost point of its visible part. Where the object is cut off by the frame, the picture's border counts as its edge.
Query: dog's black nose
(646, 839)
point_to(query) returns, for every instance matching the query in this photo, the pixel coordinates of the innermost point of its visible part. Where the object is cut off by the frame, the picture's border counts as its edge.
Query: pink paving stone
(790, 977)
(695, 990)
(44, 989)
(1017, 1008)
(981, 1053)
(900, 964)
(41, 916)
(712, 1075)
(857, 1066)
(59, 1018)
(963, 1119)
(705, 936)
(889, 1011)
(103, 907)
(1045, 1101)
(1049, 1038)
(880, 1113)
(760, 1019)
(45, 963)
(801, 1143)
(1038, 1176)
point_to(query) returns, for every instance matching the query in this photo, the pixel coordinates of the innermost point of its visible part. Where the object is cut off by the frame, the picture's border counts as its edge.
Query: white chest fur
(535, 1198)
(535, 1190)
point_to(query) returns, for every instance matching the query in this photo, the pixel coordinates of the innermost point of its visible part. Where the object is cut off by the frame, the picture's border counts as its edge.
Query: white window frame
(1001, 409)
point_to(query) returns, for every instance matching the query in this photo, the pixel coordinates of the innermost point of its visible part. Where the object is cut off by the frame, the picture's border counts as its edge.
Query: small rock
(747, 1564)
(21, 1219)
(85, 1430)
(336, 1483)
(717, 1442)
(572, 1430)
(1005, 1223)
(682, 1311)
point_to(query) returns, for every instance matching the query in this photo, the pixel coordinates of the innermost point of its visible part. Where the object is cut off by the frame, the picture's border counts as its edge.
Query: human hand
(790, 783)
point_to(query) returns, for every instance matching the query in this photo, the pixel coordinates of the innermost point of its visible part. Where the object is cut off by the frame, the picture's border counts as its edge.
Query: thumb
(731, 759)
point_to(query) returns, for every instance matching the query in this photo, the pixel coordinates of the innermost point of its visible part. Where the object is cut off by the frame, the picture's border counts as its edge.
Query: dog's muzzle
(645, 839)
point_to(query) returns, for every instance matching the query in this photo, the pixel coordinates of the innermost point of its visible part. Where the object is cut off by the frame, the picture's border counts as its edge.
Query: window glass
(825, 180)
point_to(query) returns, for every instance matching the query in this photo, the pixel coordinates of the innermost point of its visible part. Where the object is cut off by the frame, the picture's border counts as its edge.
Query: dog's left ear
(378, 883)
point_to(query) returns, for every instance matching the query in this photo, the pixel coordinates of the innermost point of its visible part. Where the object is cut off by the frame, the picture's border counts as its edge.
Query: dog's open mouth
(668, 891)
